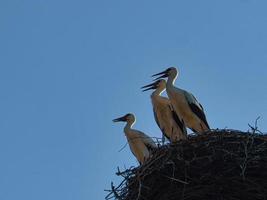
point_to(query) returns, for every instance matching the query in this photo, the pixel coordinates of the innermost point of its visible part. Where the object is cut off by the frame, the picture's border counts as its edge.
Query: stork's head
(126, 118)
(161, 83)
(172, 71)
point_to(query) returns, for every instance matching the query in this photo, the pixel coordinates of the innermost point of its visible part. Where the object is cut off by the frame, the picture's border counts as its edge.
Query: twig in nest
(254, 128)
(114, 191)
(123, 147)
(244, 164)
(175, 179)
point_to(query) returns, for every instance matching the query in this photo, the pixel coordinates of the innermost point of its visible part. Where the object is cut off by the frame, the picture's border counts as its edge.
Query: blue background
(67, 68)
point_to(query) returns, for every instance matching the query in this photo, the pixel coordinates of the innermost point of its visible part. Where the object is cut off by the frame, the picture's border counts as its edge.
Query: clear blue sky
(67, 68)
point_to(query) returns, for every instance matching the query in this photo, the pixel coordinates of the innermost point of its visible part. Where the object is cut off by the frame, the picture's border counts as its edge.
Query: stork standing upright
(184, 103)
(166, 118)
(140, 144)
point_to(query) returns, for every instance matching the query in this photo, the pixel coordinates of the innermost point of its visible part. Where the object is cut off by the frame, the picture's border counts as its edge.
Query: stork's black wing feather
(195, 109)
(148, 142)
(178, 121)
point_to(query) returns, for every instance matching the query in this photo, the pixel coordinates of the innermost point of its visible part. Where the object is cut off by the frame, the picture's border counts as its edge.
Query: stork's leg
(163, 139)
(202, 128)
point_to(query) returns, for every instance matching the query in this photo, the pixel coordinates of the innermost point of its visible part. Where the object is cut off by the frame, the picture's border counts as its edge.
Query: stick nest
(220, 164)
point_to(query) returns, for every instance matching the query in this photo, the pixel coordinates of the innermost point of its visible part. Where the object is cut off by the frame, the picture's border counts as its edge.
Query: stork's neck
(129, 125)
(158, 91)
(171, 79)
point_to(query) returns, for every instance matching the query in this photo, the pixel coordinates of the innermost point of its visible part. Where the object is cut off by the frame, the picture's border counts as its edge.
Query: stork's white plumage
(140, 144)
(170, 124)
(184, 103)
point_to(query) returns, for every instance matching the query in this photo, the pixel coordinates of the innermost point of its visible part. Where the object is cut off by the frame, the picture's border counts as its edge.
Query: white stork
(184, 103)
(140, 144)
(166, 118)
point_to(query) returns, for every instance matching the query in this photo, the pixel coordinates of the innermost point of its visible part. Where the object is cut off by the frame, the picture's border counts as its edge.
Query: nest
(220, 164)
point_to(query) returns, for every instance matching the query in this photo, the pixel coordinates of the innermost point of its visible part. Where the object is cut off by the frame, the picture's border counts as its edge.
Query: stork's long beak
(151, 86)
(164, 75)
(120, 119)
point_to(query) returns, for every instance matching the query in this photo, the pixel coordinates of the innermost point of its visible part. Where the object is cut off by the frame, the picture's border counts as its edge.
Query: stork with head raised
(140, 144)
(171, 125)
(184, 103)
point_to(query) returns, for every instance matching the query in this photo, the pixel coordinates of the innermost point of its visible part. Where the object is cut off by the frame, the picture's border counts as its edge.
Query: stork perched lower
(184, 103)
(170, 124)
(140, 144)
